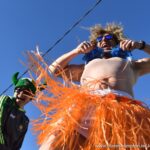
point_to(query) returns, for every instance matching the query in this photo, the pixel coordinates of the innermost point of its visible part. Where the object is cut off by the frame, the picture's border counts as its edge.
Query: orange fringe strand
(110, 122)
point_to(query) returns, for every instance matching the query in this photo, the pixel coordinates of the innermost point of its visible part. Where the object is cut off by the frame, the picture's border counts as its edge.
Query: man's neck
(107, 55)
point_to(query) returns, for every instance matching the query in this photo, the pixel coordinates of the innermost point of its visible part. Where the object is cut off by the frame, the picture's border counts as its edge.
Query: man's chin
(20, 98)
(107, 49)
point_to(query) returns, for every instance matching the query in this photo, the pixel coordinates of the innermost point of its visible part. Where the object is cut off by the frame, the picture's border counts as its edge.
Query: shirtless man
(113, 73)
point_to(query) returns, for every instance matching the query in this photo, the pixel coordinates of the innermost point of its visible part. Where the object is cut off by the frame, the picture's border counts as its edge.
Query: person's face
(23, 96)
(106, 42)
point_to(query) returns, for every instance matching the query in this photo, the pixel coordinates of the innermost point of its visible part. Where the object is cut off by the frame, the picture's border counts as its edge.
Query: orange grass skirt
(116, 122)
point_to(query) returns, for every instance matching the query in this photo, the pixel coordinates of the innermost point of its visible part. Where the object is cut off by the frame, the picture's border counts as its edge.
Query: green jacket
(13, 124)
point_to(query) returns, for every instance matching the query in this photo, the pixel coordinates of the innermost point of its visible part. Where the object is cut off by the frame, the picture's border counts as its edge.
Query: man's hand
(129, 45)
(85, 47)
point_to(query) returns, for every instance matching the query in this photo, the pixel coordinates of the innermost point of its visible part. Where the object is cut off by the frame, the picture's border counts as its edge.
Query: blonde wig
(115, 29)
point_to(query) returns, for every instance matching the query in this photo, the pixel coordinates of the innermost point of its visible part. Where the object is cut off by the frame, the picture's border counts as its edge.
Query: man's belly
(99, 83)
(114, 74)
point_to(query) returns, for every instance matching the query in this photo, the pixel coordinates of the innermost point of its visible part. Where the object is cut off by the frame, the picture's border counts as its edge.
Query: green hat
(26, 83)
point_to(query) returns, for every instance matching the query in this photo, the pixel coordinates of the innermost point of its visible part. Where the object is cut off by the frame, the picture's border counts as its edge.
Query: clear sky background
(27, 23)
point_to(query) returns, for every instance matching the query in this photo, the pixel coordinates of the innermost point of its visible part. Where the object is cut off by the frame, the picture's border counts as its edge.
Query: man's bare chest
(105, 68)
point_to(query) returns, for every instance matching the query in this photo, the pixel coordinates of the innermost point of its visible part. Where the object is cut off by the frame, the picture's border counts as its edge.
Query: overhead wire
(72, 27)
(60, 39)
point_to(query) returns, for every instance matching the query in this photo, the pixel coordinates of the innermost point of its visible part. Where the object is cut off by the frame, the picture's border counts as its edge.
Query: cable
(72, 27)
(60, 39)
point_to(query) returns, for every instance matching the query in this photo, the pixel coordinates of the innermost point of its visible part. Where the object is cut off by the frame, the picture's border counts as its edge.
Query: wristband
(142, 45)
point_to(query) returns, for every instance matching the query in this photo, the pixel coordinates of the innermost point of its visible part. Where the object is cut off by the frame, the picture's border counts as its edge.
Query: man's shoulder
(5, 99)
(2, 97)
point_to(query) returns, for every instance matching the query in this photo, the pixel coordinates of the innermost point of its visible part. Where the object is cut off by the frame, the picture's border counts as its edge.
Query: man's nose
(21, 92)
(104, 38)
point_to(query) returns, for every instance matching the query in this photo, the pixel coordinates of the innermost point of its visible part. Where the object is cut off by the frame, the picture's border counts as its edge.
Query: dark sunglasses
(25, 91)
(107, 37)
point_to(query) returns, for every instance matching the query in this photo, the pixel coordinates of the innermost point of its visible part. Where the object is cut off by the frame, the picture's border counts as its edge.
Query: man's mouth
(105, 45)
(20, 98)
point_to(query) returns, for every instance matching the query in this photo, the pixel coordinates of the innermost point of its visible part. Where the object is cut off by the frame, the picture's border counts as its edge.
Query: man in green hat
(13, 120)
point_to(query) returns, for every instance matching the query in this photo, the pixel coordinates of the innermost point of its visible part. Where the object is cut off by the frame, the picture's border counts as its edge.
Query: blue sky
(27, 23)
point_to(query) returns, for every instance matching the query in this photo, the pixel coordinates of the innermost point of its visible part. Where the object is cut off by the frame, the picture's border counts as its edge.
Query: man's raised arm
(142, 66)
(61, 65)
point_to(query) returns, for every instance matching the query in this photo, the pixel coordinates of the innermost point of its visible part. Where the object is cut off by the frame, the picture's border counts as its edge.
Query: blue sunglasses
(107, 37)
